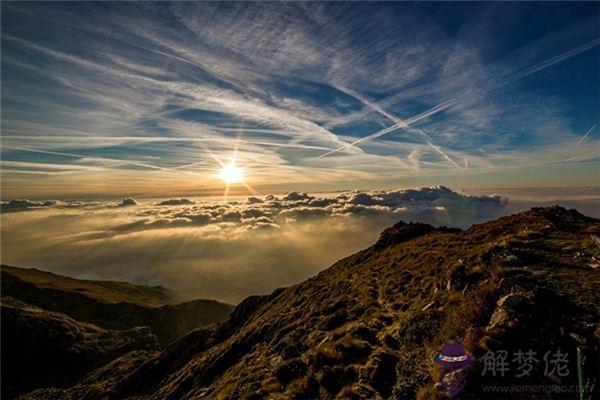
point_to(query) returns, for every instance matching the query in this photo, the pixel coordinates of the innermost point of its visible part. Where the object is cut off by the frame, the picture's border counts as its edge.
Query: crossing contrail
(398, 125)
(402, 124)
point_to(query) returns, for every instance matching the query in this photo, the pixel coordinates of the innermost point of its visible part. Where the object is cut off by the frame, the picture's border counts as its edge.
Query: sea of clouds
(225, 250)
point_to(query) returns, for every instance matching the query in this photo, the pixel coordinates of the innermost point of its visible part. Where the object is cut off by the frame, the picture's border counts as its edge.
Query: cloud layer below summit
(229, 250)
(224, 250)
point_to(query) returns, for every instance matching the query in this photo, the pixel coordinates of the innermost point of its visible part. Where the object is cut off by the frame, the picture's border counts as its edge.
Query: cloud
(25, 204)
(229, 250)
(165, 91)
(223, 250)
(292, 196)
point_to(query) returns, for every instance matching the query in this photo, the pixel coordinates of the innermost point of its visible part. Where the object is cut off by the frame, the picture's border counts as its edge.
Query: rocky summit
(370, 326)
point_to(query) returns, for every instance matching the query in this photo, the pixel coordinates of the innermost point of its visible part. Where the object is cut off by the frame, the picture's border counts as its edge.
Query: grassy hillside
(105, 291)
(369, 326)
(110, 304)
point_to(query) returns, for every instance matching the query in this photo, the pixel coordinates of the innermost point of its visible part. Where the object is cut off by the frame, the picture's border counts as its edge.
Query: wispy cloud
(390, 91)
(401, 124)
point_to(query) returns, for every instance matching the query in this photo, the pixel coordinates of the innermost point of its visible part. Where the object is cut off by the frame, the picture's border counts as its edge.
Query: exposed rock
(511, 311)
(595, 239)
(454, 381)
(505, 256)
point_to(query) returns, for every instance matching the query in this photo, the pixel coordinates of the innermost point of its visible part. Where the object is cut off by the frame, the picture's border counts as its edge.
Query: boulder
(511, 311)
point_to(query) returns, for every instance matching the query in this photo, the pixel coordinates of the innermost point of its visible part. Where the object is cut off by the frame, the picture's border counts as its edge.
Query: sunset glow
(298, 200)
(231, 174)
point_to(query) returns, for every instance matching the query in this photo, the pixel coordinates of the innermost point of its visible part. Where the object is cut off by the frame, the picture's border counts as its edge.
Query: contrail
(405, 124)
(556, 59)
(399, 123)
(152, 139)
(364, 139)
(432, 111)
(441, 152)
(108, 34)
(586, 135)
(371, 104)
(444, 105)
(126, 162)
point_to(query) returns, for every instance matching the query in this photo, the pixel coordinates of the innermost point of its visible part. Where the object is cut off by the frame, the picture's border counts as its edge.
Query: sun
(231, 174)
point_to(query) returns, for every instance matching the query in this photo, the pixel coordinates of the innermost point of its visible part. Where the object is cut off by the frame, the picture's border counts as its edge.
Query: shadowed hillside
(43, 348)
(56, 329)
(369, 326)
(111, 304)
(105, 291)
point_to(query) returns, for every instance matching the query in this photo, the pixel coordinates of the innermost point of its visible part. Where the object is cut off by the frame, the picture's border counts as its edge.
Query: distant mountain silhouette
(55, 329)
(111, 304)
(369, 326)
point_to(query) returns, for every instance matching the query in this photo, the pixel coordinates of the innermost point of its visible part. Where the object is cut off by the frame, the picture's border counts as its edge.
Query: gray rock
(505, 256)
(455, 379)
(510, 313)
(511, 301)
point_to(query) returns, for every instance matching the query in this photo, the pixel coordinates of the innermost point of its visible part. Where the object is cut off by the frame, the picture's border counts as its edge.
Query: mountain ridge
(109, 291)
(368, 326)
(112, 304)
(56, 329)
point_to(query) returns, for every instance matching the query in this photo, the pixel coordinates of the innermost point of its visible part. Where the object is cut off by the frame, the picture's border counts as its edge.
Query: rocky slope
(112, 305)
(369, 326)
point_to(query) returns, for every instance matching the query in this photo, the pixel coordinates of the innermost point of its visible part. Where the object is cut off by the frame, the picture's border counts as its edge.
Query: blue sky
(110, 99)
